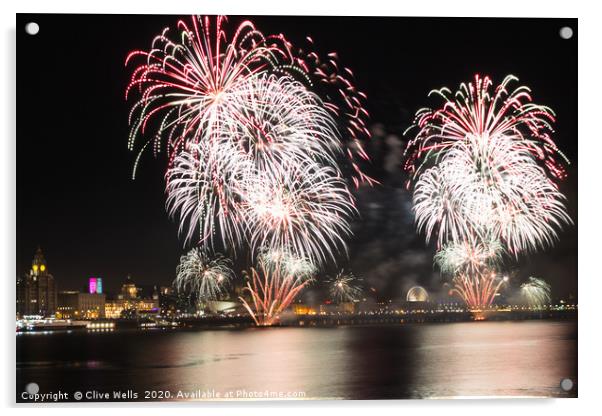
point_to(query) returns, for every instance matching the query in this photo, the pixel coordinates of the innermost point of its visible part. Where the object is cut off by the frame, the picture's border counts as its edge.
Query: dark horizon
(76, 199)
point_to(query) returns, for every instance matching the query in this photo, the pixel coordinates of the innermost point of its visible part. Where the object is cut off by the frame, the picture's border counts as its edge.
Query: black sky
(75, 197)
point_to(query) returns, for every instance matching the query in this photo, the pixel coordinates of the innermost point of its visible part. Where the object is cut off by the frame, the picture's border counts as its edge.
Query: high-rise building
(36, 290)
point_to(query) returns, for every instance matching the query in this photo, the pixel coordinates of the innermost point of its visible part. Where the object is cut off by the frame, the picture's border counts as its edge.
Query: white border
(590, 37)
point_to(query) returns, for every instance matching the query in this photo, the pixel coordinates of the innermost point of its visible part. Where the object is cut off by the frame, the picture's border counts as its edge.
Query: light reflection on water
(406, 361)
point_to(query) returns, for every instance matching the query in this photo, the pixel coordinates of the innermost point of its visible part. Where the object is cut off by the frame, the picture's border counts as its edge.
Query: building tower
(36, 290)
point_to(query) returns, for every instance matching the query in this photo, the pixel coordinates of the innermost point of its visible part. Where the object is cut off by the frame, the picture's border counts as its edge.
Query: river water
(514, 359)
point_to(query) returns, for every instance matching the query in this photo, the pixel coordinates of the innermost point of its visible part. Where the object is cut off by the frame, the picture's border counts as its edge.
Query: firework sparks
(335, 83)
(478, 289)
(466, 258)
(184, 83)
(344, 287)
(206, 277)
(475, 111)
(485, 179)
(275, 284)
(308, 209)
(536, 292)
(212, 183)
(473, 270)
(188, 87)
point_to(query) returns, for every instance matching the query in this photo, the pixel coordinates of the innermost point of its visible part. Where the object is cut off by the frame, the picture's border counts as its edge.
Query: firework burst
(476, 110)
(536, 292)
(344, 287)
(206, 277)
(212, 183)
(184, 84)
(485, 179)
(188, 84)
(308, 209)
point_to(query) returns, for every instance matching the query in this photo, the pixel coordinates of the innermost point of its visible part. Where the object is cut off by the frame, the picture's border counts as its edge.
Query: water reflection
(405, 361)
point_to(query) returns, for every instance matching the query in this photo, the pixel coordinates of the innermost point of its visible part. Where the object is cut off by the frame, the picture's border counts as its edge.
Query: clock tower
(36, 291)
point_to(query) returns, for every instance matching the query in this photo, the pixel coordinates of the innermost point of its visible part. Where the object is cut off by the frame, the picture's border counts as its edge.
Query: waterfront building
(130, 304)
(36, 290)
(78, 305)
(340, 308)
(302, 309)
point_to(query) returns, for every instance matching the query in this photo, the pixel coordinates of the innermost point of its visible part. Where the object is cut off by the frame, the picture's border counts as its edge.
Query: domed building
(417, 294)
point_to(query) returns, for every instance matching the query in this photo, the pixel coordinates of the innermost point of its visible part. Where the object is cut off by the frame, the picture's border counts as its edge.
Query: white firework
(206, 277)
(344, 287)
(481, 165)
(306, 209)
(278, 129)
(469, 258)
(488, 187)
(536, 292)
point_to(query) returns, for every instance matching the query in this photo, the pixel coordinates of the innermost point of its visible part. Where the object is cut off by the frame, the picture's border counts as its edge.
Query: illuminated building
(77, 305)
(344, 308)
(128, 289)
(36, 291)
(95, 285)
(302, 309)
(92, 285)
(130, 304)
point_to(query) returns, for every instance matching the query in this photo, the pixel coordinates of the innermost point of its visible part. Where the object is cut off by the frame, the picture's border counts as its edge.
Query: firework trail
(206, 277)
(344, 287)
(275, 284)
(536, 292)
(485, 180)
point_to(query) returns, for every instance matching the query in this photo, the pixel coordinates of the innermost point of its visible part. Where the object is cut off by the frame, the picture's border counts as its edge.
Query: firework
(206, 277)
(275, 284)
(210, 182)
(478, 289)
(417, 294)
(344, 287)
(474, 110)
(307, 209)
(325, 74)
(466, 258)
(486, 180)
(188, 84)
(473, 268)
(536, 292)
(184, 83)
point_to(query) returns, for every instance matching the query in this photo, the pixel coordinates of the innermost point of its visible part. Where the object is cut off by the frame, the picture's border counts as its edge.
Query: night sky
(76, 199)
